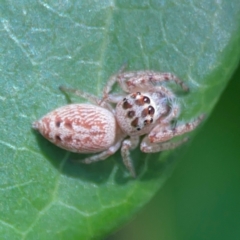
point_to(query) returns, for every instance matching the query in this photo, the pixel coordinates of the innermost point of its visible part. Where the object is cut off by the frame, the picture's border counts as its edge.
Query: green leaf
(46, 44)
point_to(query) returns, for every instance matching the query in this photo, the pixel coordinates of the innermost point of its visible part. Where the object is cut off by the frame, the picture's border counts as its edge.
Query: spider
(146, 109)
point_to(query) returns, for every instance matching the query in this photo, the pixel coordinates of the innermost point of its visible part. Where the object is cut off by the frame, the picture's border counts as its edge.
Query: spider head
(139, 112)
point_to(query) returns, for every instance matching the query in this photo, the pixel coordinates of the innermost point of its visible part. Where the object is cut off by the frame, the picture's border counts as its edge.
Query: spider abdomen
(82, 128)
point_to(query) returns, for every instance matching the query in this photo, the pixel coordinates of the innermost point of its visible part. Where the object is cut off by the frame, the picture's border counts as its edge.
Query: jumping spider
(146, 108)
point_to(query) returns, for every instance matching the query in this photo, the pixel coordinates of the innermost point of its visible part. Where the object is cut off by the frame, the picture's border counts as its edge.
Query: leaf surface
(45, 44)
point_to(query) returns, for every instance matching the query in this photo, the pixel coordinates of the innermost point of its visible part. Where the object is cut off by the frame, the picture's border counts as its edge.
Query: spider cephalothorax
(139, 112)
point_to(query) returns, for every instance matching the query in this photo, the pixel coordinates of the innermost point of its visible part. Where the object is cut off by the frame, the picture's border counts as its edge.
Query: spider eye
(126, 104)
(131, 114)
(151, 110)
(145, 122)
(138, 128)
(146, 100)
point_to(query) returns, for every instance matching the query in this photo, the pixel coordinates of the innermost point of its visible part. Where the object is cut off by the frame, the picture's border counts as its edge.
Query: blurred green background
(201, 200)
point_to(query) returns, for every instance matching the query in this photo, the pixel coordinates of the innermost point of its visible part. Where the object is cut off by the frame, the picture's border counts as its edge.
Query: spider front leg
(127, 145)
(167, 76)
(148, 147)
(163, 134)
(109, 86)
(138, 81)
(146, 80)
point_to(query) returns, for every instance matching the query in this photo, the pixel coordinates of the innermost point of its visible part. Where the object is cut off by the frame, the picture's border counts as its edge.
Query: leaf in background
(45, 44)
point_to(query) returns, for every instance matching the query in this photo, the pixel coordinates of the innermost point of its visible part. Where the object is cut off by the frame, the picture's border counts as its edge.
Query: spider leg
(127, 145)
(148, 147)
(160, 134)
(146, 80)
(111, 81)
(100, 156)
(81, 94)
(167, 76)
